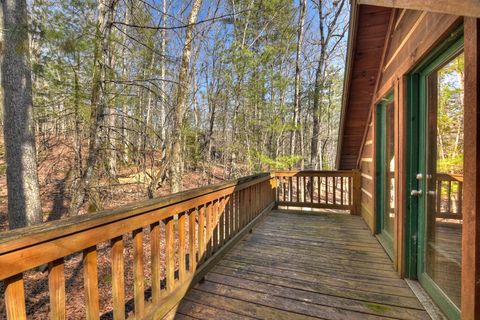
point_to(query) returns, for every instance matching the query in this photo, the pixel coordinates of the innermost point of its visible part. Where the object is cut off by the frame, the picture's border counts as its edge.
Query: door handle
(416, 193)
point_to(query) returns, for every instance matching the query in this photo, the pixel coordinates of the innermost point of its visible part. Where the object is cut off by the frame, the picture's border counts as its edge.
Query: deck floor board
(304, 266)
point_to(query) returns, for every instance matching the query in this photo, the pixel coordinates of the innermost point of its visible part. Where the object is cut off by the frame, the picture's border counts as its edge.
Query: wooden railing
(319, 189)
(188, 232)
(448, 196)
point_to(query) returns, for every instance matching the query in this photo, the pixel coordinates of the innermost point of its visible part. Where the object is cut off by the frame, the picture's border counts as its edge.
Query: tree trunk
(314, 155)
(176, 156)
(98, 101)
(24, 206)
(297, 107)
(124, 147)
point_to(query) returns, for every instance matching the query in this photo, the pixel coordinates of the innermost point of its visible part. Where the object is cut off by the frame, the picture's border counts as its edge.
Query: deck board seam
(319, 293)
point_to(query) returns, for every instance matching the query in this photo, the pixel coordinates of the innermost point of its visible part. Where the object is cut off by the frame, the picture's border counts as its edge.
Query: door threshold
(430, 306)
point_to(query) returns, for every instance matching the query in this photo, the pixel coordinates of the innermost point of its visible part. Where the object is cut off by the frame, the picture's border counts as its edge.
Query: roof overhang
(346, 80)
(467, 8)
(361, 71)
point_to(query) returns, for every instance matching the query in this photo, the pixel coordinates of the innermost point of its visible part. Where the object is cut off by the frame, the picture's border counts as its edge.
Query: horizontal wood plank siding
(367, 180)
(417, 33)
(372, 28)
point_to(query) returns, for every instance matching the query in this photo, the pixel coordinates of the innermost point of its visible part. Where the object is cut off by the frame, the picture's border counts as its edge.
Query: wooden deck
(304, 266)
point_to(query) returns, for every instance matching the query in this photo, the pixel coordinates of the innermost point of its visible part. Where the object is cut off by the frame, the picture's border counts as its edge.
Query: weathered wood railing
(197, 227)
(319, 189)
(448, 201)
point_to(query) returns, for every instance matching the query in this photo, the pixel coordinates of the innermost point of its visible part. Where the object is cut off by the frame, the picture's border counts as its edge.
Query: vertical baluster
(326, 189)
(228, 212)
(252, 202)
(90, 278)
(243, 210)
(232, 214)
(246, 206)
(303, 189)
(350, 190)
(118, 281)
(279, 185)
(56, 288)
(449, 195)
(170, 253)
(192, 226)
(284, 187)
(318, 188)
(201, 234)
(138, 287)
(439, 196)
(181, 247)
(15, 297)
(249, 204)
(215, 224)
(341, 190)
(311, 188)
(239, 209)
(298, 189)
(459, 197)
(257, 198)
(222, 222)
(156, 263)
(334, 187)
(235, 212)
(208, 241)
(290, 189)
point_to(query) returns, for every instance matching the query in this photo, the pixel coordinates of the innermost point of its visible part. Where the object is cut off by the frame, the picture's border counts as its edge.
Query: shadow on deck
(297, 265)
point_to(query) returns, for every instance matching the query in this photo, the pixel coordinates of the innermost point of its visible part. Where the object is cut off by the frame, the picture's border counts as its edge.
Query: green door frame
(416, 158)
(381, 174)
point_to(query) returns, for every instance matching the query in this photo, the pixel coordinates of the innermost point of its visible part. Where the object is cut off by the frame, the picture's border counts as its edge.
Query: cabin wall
(367, 179)
(410, 38)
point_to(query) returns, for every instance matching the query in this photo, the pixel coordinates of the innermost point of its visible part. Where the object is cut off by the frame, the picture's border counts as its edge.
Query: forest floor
(55, 179)
(55, 182)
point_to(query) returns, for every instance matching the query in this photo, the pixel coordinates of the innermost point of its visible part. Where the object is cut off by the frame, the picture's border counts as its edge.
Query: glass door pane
(385, 132)
(389, 165)
(444, 177)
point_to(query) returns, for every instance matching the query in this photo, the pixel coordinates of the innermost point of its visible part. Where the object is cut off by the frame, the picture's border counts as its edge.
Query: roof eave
(352, 32)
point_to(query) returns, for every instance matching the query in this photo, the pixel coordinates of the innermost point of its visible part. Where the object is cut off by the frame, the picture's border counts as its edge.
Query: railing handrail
(23, 237)
(289, 173)
(449, 176)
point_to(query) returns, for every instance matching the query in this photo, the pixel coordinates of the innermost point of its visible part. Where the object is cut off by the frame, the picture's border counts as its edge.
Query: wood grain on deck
(304, 266)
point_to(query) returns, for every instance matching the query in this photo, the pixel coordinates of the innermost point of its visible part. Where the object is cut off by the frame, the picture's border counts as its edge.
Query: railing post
(273, 190)
(357, 192)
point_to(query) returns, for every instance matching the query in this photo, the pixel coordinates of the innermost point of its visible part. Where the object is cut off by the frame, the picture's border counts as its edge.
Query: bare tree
(330, 37)
(99, 100)
(24, 206)
(176, 157)
(297, 108)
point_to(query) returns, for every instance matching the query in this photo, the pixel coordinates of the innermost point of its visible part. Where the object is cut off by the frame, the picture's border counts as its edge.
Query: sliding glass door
(385, 161)
(440, 177)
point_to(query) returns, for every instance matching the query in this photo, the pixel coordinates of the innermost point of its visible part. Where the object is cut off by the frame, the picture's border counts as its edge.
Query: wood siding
(369, 41)
(411, 36)
(367, 170)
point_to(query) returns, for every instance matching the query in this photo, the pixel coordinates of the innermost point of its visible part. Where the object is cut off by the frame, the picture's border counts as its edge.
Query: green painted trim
(384, 238)
(444, 302)
(411, 219)
(416, 161)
